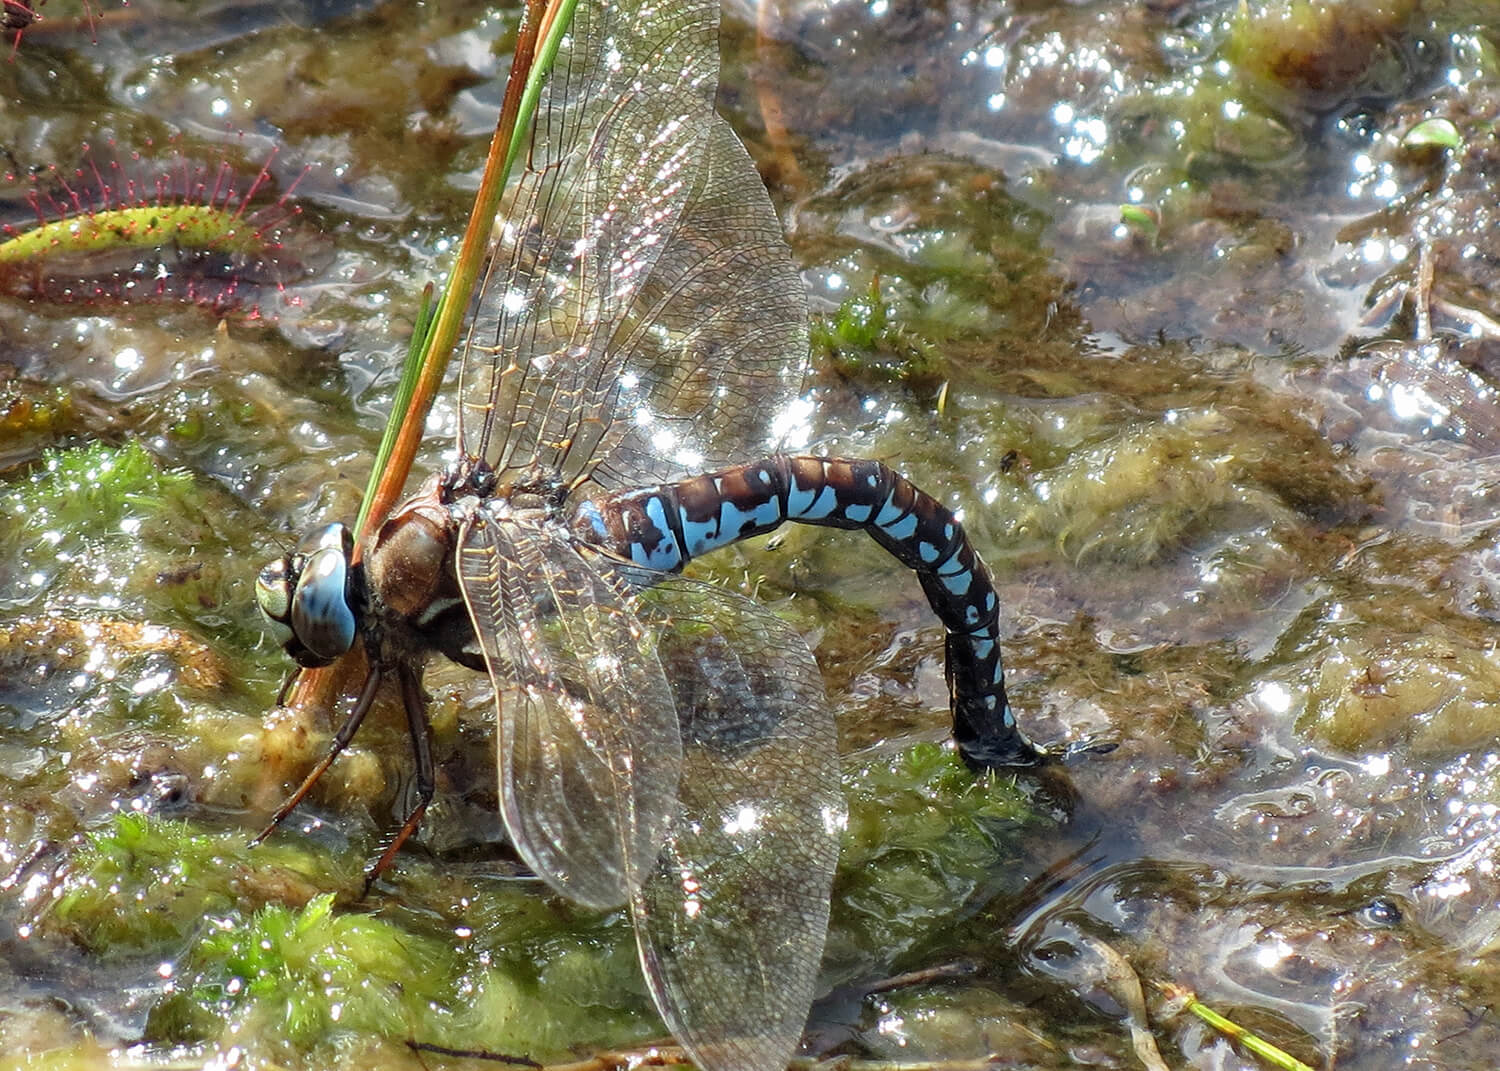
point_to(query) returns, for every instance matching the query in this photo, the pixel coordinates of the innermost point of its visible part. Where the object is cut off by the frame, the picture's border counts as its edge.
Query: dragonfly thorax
(410, 561)
(413, 601)
(310, 597)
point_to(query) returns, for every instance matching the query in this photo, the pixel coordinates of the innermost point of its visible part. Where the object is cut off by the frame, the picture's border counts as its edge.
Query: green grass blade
(437, 334)
(411, 370)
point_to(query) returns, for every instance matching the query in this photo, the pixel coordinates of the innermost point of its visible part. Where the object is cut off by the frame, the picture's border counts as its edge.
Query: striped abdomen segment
(666, 526)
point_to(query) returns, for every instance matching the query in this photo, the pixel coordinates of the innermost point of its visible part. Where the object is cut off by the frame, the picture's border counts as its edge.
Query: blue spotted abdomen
(664, 527)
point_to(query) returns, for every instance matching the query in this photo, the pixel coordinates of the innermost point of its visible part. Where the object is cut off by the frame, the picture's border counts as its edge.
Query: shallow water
(1231, 453)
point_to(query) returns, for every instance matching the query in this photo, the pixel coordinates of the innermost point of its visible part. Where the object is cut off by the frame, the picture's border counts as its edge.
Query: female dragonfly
(662, 743)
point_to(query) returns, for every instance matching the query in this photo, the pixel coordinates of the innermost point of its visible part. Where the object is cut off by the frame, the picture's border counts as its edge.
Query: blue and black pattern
(666, 526)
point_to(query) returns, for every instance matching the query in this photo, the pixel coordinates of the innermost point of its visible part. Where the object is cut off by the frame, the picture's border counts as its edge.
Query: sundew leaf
(122, 228)
(132, 228)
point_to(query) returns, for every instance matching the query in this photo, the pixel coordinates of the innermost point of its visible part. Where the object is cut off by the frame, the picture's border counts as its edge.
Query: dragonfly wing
(641, 316)
(611, 164)
(732, 920)
(588, 737)
(717, 337)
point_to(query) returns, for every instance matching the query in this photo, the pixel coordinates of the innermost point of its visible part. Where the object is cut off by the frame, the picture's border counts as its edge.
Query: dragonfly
(662, 743)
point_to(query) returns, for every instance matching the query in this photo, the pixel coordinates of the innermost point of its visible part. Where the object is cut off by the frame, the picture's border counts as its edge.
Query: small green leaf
(1141, 219)
(1439, 132)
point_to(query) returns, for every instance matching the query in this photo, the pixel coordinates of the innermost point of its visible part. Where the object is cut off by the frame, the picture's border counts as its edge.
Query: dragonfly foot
(1089, 745)
(1011, 751)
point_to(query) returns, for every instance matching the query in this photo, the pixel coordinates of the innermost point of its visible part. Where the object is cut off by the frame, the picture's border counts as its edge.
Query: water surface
(1187, 306)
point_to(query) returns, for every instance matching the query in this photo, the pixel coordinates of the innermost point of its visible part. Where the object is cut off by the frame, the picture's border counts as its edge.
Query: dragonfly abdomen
(666, 526)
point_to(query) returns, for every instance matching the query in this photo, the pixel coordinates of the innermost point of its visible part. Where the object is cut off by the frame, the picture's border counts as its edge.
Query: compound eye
(321, 617)
(273, 594)
(331, 537)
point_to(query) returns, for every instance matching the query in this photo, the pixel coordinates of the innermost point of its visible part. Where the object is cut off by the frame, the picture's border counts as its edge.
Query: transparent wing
(732, 920)
(641, 317)
(588, 740)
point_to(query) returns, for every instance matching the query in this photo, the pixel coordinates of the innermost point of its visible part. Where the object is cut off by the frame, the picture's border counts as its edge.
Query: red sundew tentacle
(261, 179)
(36, 206)
(101, 184)
(224, 173)
(17, 16)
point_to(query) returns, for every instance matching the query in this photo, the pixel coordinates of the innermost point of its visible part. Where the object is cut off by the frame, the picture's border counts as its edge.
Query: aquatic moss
(1140, 494)
(464, 961)
(320, 978)
(302, 973)
(863, 339)
(252, 941)
(921, 250)
(1432, 692)
(144, 886)
(109, 530)
(95, 488)
(965, 1025)
(924, 835)
(1322, 52)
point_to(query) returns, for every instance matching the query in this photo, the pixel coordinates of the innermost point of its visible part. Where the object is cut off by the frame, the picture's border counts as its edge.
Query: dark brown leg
(421, 745)
(286, 685)
(340, 741)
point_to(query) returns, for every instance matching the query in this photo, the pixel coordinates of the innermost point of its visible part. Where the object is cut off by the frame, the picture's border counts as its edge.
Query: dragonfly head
(308, 598)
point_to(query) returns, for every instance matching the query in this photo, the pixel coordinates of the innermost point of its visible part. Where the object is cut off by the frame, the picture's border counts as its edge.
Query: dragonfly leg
(341, 740)
(286, 685)
(421, 745)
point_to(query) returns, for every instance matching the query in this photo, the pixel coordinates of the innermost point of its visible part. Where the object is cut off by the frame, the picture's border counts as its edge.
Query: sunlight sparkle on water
(792, 424)
(1267, 957)
(691, 887)
(1274, 697)
(744, 820)
(154, 683)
